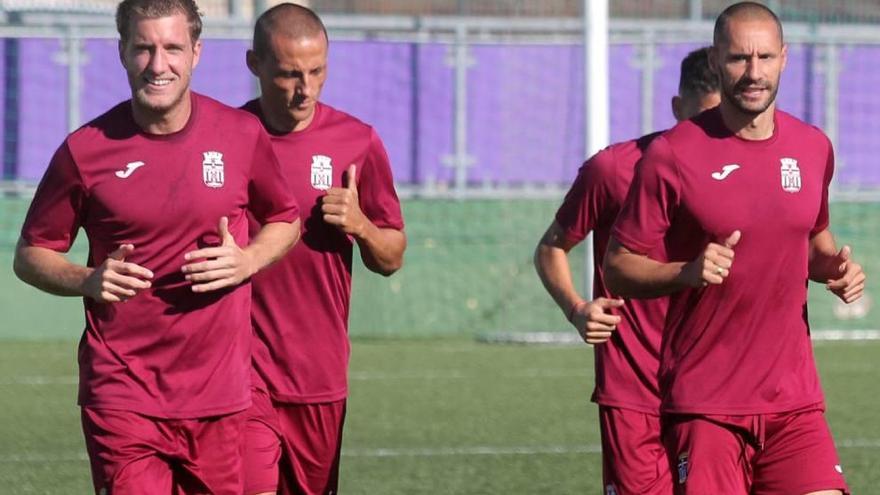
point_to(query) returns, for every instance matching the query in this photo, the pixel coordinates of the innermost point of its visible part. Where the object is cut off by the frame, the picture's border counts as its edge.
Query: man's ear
(677, 111)
(250, 59)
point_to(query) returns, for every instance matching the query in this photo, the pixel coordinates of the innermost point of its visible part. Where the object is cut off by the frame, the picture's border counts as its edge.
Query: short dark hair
(697, 76)
(153, 9)
(751, 10)
(289, 20)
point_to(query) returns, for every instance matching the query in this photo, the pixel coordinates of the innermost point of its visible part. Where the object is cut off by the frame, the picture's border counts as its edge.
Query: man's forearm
(382, 249)
(49, 270)
(271, 243)
(554, 270)
(823, 260)
(633, 275)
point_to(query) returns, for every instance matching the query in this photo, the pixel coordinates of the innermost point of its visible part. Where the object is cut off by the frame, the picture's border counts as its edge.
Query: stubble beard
(153, 107)
(733, 96)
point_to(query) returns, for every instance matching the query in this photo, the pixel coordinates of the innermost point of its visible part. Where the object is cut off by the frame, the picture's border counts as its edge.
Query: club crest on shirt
(212, 169)
(682, 468)
(791, 175)
(322, 172)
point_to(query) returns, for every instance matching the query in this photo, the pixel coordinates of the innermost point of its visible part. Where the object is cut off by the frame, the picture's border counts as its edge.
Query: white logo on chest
(129, 169)
(725, 171)
(212, 169)
(791, 175)
(322, 172)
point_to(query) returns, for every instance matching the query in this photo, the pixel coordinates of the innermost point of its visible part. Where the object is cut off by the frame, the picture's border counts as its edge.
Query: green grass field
(438, 416)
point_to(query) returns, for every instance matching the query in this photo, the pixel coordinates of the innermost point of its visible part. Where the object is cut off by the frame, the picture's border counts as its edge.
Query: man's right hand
(593, 319)
(714, 264)
(116, 280)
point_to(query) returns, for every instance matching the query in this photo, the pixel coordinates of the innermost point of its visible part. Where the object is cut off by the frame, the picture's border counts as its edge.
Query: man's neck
(160, 123)
(748, 126)
(282, 124)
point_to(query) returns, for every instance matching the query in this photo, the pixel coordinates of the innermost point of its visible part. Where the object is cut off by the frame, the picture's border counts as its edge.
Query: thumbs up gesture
(714, 264)
(850, 285)
(218, 267)
(341, 207)
(117, 280)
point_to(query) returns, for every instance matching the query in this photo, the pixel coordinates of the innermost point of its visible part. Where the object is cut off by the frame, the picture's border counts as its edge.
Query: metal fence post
(74, 58)
(831, 68)
(596, 100)
(695, 10)
(460, 160)
(648, 64)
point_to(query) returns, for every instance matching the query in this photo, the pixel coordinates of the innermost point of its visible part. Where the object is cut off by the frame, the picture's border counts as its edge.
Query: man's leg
(209, 456)
(125, 452)
(708, 456)
(798, 456)
(262, 447)
(312, 446)
(634, 459)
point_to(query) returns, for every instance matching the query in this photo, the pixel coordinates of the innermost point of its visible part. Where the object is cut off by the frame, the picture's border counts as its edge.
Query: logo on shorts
(682, 468)
(791, 175)
(212, 169)
(610, 490)
(322, 172)
(838, 468)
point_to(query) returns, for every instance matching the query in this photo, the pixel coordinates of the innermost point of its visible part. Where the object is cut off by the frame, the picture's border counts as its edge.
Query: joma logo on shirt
(130, 167)
(212, 168)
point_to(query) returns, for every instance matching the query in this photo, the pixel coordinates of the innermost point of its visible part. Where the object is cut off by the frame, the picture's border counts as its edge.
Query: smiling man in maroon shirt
(162, 184)
(338, 169)
(627, 333)
(738, 197)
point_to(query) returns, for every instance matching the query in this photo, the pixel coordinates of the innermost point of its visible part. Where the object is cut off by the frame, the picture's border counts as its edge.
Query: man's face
(750, 62)
(291, 76)
(159, 58)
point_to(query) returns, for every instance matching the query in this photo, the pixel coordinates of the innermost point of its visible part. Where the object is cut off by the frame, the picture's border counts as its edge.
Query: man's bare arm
(630, 274)
(114, 280)
(592, 319)
(836, 269)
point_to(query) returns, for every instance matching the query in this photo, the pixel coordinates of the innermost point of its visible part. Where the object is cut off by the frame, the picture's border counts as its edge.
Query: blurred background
(486, 116)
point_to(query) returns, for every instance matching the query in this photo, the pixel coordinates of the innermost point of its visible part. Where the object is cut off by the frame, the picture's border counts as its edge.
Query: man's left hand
(851, 283)
(226, 265)
(341, 207)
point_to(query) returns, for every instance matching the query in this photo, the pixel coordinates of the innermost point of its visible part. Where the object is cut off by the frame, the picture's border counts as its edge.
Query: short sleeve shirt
(167, 352)
(741, 347)
(301, 304)
(626, 366)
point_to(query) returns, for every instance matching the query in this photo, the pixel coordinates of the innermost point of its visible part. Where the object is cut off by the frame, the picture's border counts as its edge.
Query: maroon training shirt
(626, 366)
(167, 352)
(300, 309)
(742, 347)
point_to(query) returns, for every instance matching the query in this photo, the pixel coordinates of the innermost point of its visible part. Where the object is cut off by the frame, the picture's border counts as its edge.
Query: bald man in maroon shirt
(738, 197)
(337, 167)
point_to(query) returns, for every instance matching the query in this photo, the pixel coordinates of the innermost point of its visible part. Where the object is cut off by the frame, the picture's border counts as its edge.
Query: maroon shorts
(789, 452)
(634, 460)
(292, 448)
(135, 454)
